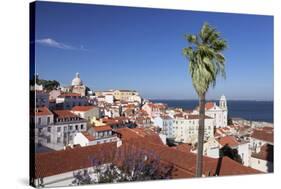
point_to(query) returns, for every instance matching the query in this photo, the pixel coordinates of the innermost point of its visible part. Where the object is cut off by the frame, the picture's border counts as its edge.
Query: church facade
(77, 86)
(218, 112)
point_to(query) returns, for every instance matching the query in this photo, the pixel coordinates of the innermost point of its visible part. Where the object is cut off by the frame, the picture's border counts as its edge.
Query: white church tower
(223, 106)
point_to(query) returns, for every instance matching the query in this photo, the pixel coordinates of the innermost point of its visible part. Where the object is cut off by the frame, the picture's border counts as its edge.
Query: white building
(42, 99)
(42, 118)
(134, 98)
(53, 94)
(154, 109)
(263, 159)
(211, 148)
(87, 139)
(260, 137)
(38, 87)
(69, 100)
(78, 86)
(83, 139)
(261, 141)
(164, 122)
(61, 133)
(185, 128)
(219, 113)
(108, 98)
(102, 134)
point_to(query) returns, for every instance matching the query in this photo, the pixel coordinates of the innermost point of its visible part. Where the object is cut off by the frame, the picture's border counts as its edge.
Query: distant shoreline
(261, 111)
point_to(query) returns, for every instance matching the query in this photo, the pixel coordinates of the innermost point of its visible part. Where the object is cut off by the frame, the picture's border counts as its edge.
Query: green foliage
(47, 84)
(231, 153)
(206, 60)
(229, 121)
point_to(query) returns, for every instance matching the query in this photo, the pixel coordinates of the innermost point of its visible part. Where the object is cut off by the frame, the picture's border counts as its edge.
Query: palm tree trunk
(200, 143)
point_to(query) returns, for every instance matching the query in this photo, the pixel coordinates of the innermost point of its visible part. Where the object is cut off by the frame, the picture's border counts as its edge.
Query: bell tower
(223, 103)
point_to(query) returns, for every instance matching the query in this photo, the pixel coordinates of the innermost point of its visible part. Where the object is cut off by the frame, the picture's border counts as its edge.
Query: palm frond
(206, 60)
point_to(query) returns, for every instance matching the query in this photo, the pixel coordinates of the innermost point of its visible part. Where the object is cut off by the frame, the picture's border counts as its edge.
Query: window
(76, 127)
(39, 120)
(48, 120)
(82, 126)
(59, 140)
(49, 129)
(70, 127)
(48, 139)
(58, 129)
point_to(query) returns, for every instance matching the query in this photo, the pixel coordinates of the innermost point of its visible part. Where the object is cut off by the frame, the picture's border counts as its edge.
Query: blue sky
(141, 49)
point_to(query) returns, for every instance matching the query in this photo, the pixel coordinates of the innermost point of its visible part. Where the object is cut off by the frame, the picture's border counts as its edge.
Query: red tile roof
(82, 108)
(184, 147)
(157, 106)
(263, 135)
(209, 105)
(57, 162)
(149, 135)
(88, 136)
(116, 120)
(63, 114)
(228, 140)
(52, 163)
(69, 94)
(186, 161)
(42, 111)
(102, 128)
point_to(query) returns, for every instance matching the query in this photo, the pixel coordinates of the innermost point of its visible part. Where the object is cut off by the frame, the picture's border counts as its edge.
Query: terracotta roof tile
(82, 108)
(64, 114)
(102, 128)
(209, 105)
(228, 140)
(57, 162)
(42, 111)
(263, 135)
(149, 135)
(88, 136)
(69, 95)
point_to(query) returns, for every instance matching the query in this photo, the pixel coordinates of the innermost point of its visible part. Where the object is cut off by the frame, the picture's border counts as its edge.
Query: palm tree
(206, 62)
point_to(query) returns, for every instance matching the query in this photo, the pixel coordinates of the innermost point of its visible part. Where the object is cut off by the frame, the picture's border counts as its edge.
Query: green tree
(226, 150)
(206, 62)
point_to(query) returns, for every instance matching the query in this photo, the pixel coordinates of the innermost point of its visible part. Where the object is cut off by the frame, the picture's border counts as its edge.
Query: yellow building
(125, 95)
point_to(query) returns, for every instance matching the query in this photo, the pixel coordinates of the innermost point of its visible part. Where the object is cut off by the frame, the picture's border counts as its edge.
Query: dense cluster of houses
(73, 121)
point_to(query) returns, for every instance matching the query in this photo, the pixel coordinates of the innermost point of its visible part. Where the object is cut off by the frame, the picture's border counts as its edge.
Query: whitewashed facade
(219, 113)
(186, 128)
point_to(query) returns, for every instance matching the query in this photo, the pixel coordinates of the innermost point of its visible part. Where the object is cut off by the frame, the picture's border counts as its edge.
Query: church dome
(77, 81)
